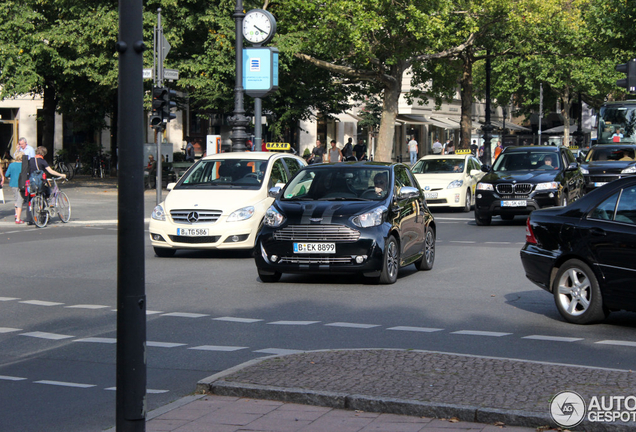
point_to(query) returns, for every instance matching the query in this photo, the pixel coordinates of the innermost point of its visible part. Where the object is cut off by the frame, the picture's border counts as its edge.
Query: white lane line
(8, 329)
(86, 306)
(454, 219)
(480, 333)
(416, 329)
(293, 322)
(97, 340)
(617, 342)
(45, 335)
(352, 325)
(41, 303)
(11, 378)
(163, 344)
(218, 348)
(151, 391)
(185, 315)
(153, 312)
(8, 298)
(278, 351)
(64, 384)
(506, 243)
(463, 241)
(552, 338)
(239, 320)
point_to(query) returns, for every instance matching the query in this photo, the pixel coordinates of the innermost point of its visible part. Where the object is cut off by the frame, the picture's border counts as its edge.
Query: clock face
(259, 26)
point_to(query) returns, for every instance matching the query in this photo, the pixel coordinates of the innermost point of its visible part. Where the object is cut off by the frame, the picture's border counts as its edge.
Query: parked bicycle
(100, 166)
(60, 165)
(43, 208)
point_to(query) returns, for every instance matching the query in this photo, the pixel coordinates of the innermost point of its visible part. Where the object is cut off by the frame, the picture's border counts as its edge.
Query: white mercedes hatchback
(220, 201)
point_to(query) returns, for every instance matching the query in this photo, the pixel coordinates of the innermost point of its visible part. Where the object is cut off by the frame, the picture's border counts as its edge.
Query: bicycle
(60, 166)
(44, 209)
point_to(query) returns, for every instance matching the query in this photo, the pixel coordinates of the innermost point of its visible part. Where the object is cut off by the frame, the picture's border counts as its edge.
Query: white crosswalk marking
(8, 298)
(153, 312)
(150, 391)
(41, 303)
(552, 338)
(86, 306)
(8, 329)
(617, 342)
(293, 322)
(97, 340)
(185, 315)
(416, 329)
(64, 384)
(278, 351)
(480, 333)
(45, 335)
(217, 348)
(239, 320)
(352, 325)
(163, 344)
(11, 378)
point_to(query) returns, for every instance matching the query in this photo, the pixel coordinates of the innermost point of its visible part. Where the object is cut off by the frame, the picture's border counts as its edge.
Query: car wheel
(427, 260)
(507, 217)
(268, 278)
(391, 261)
(469, 201)
(482, 220)
(164, 252)
(577, 294)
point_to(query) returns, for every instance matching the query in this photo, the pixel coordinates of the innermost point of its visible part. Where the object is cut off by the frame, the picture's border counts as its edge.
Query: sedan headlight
(158, 213)
(484, 186)
(273, 218)
(629, 170)
(455, 184)
(547, 186)
(241, 214)
(369, 219)
(584, 171)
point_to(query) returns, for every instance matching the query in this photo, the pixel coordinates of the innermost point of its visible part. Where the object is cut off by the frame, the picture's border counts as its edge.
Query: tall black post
(579, 135)
(487, 127)
(131, 299)
(238, 121)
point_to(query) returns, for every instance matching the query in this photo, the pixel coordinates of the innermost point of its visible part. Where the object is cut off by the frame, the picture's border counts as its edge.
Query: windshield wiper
(343, 199)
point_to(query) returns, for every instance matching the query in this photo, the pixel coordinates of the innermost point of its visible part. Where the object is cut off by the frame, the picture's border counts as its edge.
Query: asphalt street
(207, 312)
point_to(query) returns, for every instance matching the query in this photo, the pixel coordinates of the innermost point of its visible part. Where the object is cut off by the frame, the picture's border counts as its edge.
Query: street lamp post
(487, 127)
(239, 121)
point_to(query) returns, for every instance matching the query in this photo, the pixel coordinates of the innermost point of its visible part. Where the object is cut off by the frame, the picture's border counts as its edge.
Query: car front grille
(510, 189)
(515, 197)
(195, 216)
(317, 233)
(315, 260)
(436, 201)
(194, 240)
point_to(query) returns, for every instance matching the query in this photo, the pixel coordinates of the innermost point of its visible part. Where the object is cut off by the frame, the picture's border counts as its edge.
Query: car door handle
(598, 231)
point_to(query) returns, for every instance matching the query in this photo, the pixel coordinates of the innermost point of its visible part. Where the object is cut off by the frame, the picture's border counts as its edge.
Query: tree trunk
(49, 105)
(466, 94)
(565, 112)
(391, 95)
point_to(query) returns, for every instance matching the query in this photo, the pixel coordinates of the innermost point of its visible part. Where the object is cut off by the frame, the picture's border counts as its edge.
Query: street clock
(259, 26)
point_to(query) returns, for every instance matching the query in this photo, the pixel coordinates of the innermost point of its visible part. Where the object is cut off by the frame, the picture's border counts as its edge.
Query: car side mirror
(474, 172)
(171, 186)
(407, 192)
(573, 166)
(485, 168)
(274, 192)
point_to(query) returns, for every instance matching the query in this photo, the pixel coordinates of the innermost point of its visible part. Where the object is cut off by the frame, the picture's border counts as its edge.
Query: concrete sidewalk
(389, 390)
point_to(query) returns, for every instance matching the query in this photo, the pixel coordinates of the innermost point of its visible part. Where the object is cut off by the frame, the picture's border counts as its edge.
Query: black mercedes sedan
(524, 179)
(607, 162)
(585, 253)
(368, 218)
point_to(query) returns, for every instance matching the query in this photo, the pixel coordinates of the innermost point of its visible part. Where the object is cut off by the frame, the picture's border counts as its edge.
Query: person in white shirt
(412, 145)
(25, 148)
(437, 147)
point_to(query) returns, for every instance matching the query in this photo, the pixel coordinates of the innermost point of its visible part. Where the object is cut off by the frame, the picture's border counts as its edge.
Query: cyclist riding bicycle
(38, 163)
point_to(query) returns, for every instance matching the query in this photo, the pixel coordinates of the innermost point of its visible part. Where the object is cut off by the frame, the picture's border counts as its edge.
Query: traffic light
(167, 105)
(156, 119)
(629, 69)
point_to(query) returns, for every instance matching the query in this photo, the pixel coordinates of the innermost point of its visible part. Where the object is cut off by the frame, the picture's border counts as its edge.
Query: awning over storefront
(347, 118)
(445, 123)
(560, 129)
(413, 119)
(511, 126)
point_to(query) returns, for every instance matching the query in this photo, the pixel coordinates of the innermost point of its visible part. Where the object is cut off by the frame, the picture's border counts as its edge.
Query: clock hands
(261, 30)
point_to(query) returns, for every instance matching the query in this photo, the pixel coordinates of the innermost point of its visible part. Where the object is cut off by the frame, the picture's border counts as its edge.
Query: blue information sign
(260, 71)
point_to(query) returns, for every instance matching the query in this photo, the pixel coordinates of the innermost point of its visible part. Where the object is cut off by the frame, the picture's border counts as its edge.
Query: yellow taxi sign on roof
(277, 146)
(462, 151)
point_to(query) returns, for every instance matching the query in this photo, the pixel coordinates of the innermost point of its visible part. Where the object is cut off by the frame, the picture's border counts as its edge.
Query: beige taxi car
(220, 201)
(449, 180)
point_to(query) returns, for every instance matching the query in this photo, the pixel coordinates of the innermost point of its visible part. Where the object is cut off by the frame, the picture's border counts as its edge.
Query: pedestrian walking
(13, 173)
(25, 148)
(412, 146)
(437, 147)
(317, 154)
(347, 150)
(335, 155)
(189, 152)
(360, 150)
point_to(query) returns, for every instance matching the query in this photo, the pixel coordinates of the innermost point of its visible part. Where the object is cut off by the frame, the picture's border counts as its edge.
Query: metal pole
(580, 140)
(258, 127)
(540, 110)
(159, 130)
(238, 121)
(131, 298)
(487, 127)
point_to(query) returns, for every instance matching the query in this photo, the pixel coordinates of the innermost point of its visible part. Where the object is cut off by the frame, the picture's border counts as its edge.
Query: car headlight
(455, 184)
(369, 219)
(629, 170)
(241, 214)
(273, 218)
(158, 213)
(546, 186)
(484, 186)
(584, 171)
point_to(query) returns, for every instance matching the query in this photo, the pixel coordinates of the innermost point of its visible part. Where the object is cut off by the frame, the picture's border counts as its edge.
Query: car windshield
(339, 184)
(439, 166)
(527, 161)
(610, 153)
(226, 174)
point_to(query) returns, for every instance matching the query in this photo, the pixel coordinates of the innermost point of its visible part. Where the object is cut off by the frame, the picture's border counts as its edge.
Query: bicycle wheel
(63, 207)
(40, 211)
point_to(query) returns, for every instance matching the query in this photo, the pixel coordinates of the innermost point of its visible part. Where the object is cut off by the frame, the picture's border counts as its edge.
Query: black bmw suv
(524, 179)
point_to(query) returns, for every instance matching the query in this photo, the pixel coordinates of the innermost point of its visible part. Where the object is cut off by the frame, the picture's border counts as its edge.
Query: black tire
(40, 211)
(390, 261)
(63, 207)
(269, 278)
(482, 220)
(428, 259)
(164, 252)
(469, 201)
(577, 294)
(507, 217)
(71, 172)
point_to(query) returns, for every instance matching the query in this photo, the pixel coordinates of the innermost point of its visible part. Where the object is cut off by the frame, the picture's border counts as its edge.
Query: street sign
(260, 71)
(170, 74)
(165, 47)
(147, 73)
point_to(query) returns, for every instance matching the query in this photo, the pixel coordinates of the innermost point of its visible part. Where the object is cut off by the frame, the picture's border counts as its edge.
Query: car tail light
(530, 238)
